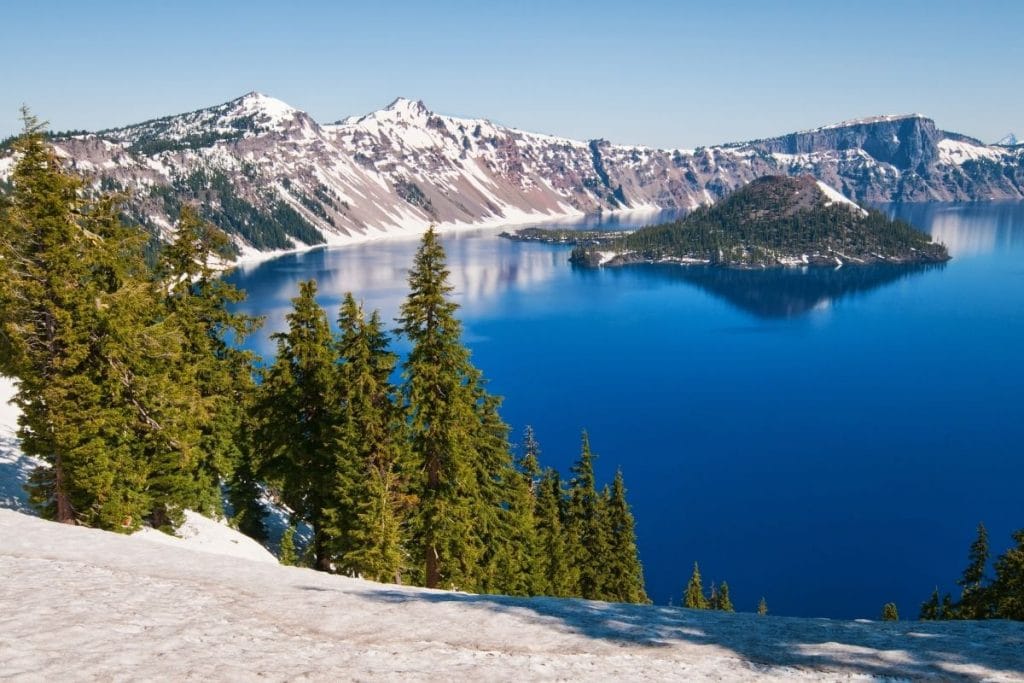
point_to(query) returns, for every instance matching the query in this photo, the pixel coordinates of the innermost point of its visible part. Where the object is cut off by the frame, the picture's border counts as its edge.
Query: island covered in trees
(773, 221)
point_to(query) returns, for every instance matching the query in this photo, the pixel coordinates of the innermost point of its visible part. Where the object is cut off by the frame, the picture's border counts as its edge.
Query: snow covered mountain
(276, 179)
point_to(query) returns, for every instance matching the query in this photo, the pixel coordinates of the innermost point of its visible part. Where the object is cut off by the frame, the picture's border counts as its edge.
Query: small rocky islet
(774, 221)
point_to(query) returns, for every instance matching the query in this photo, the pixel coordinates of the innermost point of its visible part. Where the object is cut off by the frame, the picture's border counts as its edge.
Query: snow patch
(956, 152)
(201, 533)
(834, 196)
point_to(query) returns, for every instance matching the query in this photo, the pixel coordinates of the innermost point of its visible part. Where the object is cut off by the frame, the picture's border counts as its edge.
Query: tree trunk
(433, 567)
(65, 513)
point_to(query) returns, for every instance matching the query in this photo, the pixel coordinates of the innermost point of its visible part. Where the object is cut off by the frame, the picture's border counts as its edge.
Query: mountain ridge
(276, 179)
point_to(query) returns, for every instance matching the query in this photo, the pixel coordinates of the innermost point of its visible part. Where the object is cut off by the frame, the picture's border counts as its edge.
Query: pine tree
(212, 376)
(525, 575)
(586, 530)
(724, 601)
(948, 610)
(930, 609)
(974, 596)
(444, 426)
(368, 527)
(889, 612)
(504, 562)
(287, 555)
(559, 573)
(713, 597)
(1008, 587)
(693, 596)
(624, 575)
(82, 331)
(762, 607)
(298, 410)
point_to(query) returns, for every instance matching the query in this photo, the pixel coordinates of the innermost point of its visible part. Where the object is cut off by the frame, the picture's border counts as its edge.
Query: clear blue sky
(656, 73)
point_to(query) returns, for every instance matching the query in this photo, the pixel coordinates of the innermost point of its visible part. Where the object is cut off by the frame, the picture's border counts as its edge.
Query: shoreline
(251, 258)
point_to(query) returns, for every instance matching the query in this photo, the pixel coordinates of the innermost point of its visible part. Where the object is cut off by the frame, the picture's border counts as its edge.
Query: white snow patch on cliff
(834, 196)
(957, 152)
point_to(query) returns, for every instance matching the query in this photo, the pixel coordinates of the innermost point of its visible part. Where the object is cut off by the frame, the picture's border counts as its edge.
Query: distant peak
(270, 109)
(404, 105)
(1009, 140)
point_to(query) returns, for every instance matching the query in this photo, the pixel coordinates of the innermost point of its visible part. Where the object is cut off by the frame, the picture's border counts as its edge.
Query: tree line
(136, 395)
(984, 596)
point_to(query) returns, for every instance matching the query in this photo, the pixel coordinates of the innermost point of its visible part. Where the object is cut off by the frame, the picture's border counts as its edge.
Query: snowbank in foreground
(86, 604)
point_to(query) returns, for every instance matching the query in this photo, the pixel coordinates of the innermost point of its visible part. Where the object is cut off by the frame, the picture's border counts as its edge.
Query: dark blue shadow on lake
(785, 292)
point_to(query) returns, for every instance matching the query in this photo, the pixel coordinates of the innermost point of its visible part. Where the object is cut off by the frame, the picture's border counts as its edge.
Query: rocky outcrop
(276, 179)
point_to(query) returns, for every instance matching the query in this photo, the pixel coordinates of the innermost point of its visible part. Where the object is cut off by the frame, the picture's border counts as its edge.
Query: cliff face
(275, 178)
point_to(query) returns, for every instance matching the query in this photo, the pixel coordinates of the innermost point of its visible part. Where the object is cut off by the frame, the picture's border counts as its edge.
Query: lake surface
(827, 439)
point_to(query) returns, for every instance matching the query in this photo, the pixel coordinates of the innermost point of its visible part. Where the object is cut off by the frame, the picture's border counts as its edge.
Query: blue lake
(827, 439)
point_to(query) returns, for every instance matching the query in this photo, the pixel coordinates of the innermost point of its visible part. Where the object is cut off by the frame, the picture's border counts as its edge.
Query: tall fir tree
(523, 573)
(298, 408)
(974, 597)
(1008, 586)
(586, 530)
(724, 601)
(930, 608)
(558, 571)
(213, 371)
(693, 596)
(624, 577)
(948, 609)
(83, 331)
(444, 426)
(368, 529)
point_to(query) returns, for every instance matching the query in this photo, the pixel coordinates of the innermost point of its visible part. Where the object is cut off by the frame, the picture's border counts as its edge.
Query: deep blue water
(826, 439)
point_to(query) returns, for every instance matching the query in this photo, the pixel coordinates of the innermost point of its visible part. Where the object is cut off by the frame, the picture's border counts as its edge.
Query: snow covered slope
(276, 179)
(83, 604)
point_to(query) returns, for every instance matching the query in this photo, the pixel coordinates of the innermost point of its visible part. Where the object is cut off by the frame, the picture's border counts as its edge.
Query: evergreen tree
(1008, 587)
(930, 609)
(693, 596)
(82, 329)
(367, 528)
(948, 610)
(503, 527)
(762, 607)
(889, 612)
(298, 416)
(525, 574)
(724, 601)
(974, 596)
(444, 426)
(585, 526)
(624, 579)
(559, 576)
(287, 555)
(213, 375)
(713, 597)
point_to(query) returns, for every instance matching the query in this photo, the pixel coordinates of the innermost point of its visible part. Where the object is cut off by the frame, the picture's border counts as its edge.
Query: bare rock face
(275, 179)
